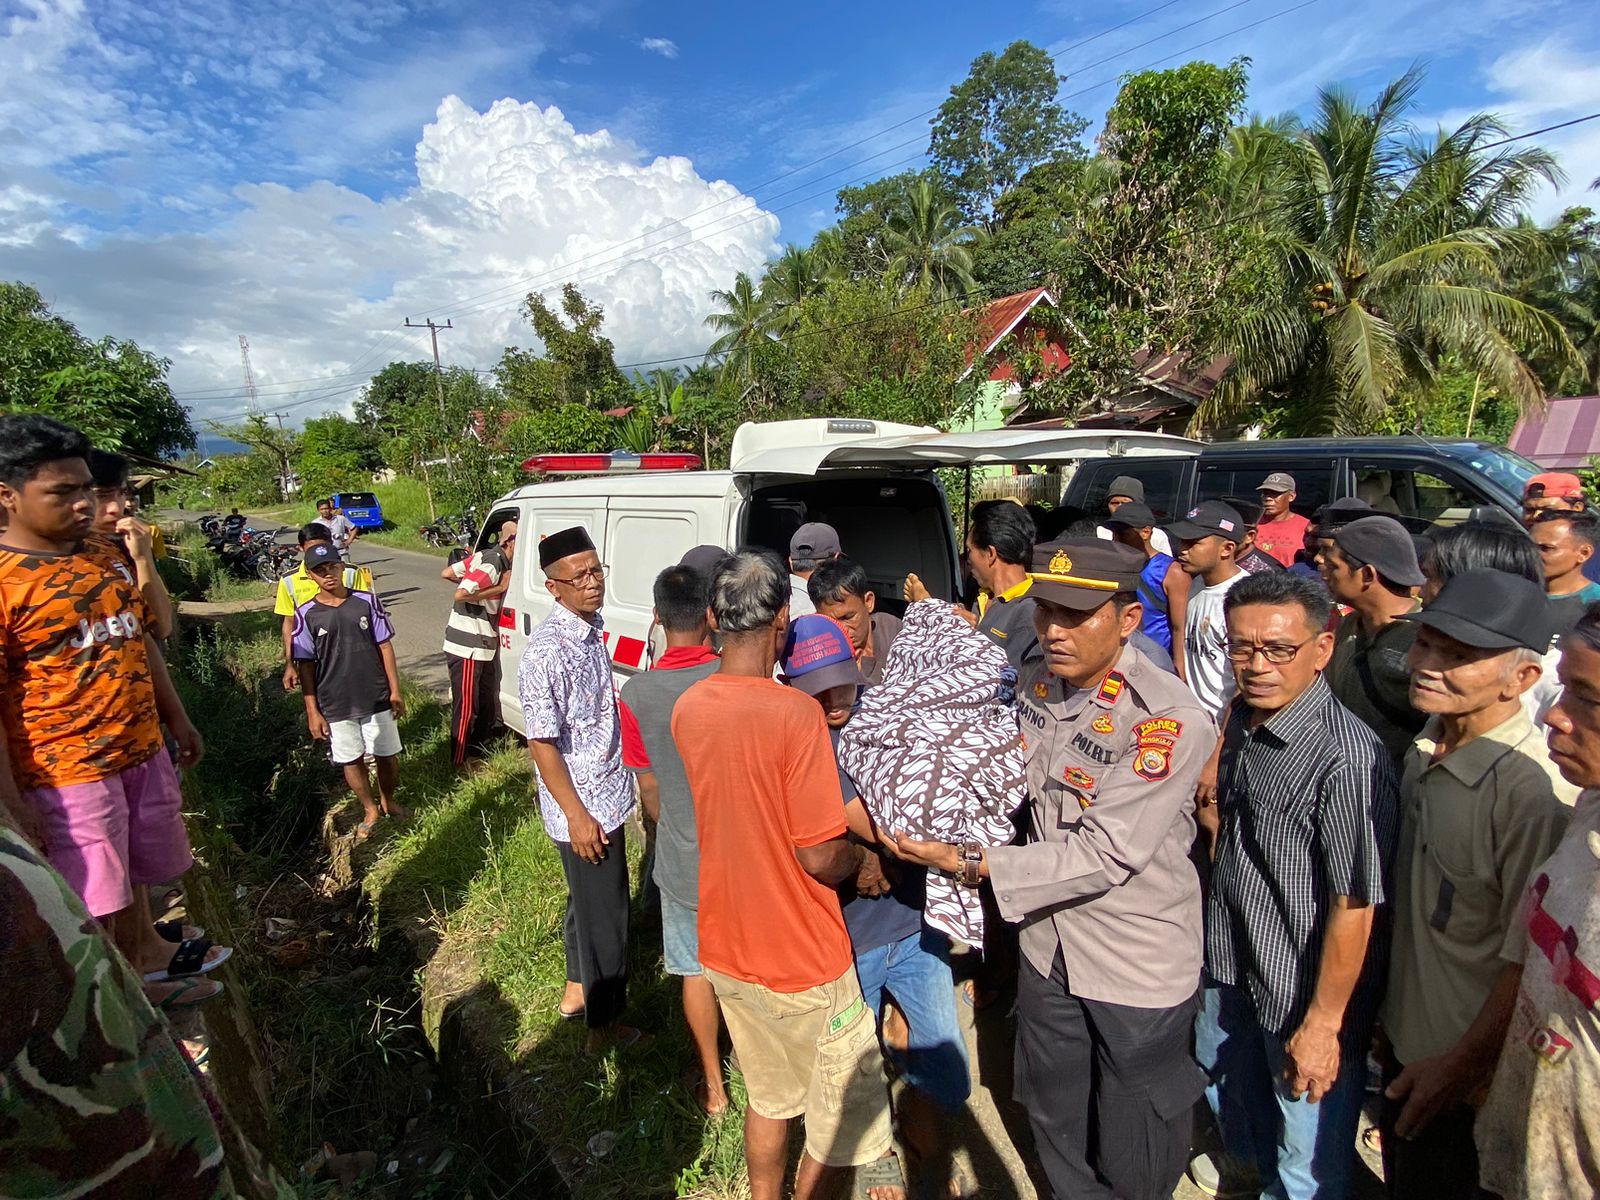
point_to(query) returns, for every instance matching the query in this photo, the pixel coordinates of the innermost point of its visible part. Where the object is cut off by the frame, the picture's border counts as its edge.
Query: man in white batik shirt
(569, 707)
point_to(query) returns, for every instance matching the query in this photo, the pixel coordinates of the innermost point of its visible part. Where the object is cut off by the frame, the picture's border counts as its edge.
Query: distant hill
(209, 445)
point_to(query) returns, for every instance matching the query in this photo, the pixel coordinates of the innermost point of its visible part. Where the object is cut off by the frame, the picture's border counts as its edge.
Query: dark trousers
(1440, 1163)
(1108, 1089)
(474, 704)
(595, 931)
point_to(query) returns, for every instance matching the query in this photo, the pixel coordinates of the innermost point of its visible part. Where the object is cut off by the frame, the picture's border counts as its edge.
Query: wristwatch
(971, 862)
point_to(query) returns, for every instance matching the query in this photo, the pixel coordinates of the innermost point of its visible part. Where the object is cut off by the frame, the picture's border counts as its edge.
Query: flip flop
(189, 959)
(177, 931)
(398, 813)
(364, 830)
(176, 1002)
(575, 1014)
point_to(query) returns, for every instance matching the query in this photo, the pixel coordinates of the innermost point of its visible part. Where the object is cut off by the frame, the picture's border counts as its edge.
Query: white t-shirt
(1158, 539)
(799, 599)
(1205, 647)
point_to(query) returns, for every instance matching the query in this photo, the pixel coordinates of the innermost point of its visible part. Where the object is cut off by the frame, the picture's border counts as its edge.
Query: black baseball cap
(1083, 573)
(1342, 512)
(1491, 610)
(1135, 514)
(1384, 545)
(319, 554)
(1210, 518)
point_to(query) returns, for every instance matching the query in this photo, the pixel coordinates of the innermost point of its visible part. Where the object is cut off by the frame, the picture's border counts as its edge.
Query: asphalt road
(418, 601)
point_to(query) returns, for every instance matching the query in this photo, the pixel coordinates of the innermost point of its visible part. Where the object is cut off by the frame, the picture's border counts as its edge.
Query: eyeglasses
(595, 574)
(1273, 652)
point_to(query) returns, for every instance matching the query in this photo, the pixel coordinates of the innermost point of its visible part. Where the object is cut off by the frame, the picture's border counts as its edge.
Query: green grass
(192, 571)
(474, 882)
(405, 510)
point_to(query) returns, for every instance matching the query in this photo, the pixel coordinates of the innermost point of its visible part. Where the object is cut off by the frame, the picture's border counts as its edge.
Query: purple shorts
(115, 834)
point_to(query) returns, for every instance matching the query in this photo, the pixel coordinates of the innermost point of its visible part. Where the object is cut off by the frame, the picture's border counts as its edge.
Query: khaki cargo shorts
(813, 1052)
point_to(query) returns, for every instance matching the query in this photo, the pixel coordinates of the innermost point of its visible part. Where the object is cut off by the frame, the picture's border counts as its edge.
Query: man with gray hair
(770, 818)
(1481, 806)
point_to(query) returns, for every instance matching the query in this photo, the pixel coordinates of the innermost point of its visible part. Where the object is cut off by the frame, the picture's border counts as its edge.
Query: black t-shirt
(343, 640)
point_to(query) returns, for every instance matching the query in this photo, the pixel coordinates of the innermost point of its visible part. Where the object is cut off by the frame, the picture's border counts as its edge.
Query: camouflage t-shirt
(76, 693)
(96, 1100)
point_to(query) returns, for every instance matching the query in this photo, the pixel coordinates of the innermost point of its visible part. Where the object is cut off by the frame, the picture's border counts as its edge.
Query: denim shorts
(680, 937)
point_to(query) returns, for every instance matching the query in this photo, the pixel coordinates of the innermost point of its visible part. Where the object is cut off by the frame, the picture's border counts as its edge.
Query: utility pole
(438, 370)
(438, 382)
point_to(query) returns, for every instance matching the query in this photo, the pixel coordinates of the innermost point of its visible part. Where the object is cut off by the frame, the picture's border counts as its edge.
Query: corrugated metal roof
(1565, 436)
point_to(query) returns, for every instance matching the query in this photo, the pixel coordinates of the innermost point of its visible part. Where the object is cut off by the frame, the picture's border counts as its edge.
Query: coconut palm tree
(795, 275)
(928, 244)
(1390, 252)
(742, 324)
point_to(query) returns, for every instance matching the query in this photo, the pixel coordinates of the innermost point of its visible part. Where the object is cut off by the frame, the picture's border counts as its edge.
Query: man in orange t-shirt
(1282, 531)
(770, 818)
(83, 695)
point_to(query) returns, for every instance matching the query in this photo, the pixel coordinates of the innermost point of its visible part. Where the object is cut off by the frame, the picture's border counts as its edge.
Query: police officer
(1104, 889)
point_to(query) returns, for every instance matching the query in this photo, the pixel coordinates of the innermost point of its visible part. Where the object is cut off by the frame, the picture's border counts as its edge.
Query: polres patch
(1152, 763)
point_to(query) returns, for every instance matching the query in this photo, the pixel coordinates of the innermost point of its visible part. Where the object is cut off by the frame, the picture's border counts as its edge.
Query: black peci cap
(1491, 610)
(563, 543)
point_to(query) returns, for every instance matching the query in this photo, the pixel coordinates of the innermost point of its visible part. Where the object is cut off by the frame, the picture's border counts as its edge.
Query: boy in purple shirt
(343, 648)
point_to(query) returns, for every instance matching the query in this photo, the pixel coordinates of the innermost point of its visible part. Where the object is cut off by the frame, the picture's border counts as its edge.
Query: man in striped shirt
(473, 643)
(1309, 809)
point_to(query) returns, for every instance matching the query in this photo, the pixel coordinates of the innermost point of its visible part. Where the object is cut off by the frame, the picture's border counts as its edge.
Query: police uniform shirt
(1106, 876)
(1006, 620)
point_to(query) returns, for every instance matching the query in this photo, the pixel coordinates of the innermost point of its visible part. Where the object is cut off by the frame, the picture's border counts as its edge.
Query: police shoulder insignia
(1110, 688)
(1102, 724)
(1059, 562)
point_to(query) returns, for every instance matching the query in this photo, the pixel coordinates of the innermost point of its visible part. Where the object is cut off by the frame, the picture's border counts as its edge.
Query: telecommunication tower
(249, 376)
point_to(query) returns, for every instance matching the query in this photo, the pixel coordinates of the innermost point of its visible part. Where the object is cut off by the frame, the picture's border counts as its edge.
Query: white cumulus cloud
(665, 47)
(321, 276)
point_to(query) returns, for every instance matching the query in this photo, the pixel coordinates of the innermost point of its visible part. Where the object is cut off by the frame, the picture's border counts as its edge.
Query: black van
(1421, 481)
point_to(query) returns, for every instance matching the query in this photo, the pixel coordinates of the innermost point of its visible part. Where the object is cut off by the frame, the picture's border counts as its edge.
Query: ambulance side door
(644, 536)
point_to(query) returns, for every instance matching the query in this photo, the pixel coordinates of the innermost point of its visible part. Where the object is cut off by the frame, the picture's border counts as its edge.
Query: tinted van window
(1418, 496)
(1162, 477)
(1219, 480)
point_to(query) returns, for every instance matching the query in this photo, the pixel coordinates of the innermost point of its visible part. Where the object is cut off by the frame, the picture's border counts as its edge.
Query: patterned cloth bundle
(935, 749)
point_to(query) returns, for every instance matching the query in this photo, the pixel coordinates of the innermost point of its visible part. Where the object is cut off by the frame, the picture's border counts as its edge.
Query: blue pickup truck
(361, 508)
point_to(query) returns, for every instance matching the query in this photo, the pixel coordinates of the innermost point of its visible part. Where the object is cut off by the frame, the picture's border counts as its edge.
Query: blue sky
(310, 175)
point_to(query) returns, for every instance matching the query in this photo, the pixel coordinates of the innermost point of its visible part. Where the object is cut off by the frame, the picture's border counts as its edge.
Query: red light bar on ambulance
(617, 462)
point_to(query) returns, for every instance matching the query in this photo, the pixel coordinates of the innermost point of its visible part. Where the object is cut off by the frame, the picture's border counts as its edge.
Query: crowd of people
(1305, 819)
(1256, 813)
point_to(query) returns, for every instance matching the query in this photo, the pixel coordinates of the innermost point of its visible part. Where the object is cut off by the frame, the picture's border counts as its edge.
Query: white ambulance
(873, 481)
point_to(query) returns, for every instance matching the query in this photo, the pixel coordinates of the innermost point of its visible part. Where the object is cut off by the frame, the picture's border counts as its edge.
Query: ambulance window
(642, 545)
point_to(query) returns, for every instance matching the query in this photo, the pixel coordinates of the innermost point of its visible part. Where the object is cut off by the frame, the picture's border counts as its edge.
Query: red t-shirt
(634, 756)
(762, 772)
(1283, 538)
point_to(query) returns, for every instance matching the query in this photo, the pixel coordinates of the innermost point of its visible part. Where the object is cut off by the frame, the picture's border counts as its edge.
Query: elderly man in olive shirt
(1104, 889)
(1481, 806)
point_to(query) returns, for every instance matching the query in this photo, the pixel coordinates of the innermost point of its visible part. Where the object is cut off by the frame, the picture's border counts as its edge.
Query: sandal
(190, 959)
(398, 813)
(882, 1172)
(177, 932)
(181, 999)
(575, 1014)
(364, 830)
